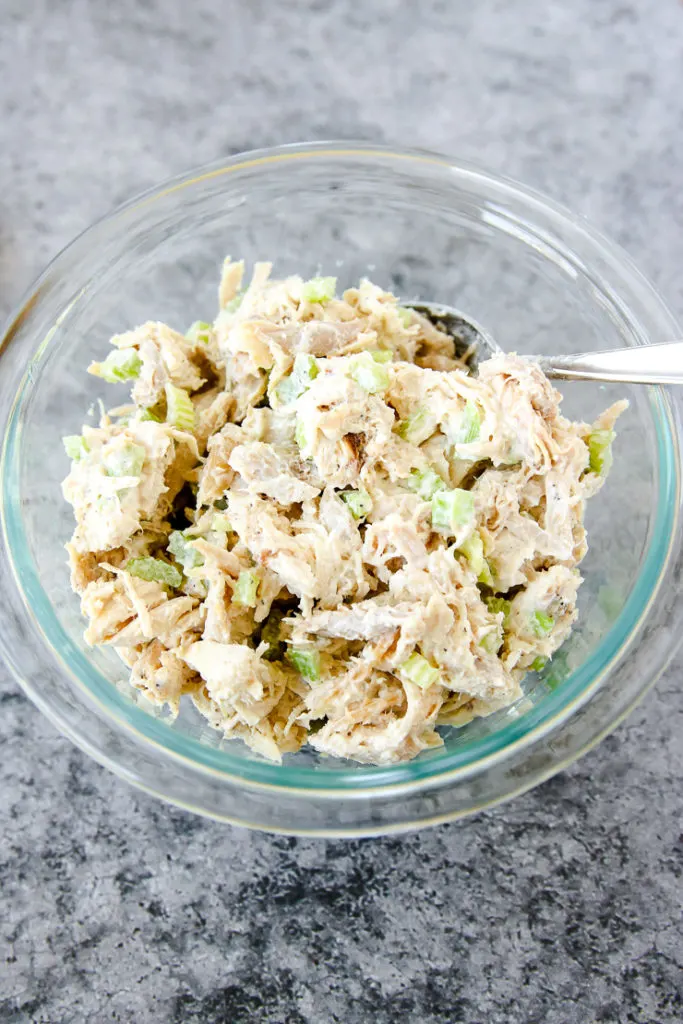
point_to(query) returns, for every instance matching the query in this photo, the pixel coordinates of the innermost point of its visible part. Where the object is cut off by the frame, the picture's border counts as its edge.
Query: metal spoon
(645, 364)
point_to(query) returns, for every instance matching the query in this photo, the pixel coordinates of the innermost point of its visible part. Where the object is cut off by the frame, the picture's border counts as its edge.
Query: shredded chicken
(319, 526)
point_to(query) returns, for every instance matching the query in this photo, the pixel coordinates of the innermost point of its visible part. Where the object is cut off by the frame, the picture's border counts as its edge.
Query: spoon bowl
(473, 344)
(645, 364)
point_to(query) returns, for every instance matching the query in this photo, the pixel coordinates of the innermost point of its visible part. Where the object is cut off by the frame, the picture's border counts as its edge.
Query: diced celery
(382, 355)
(184, 554)
(538, 663)
(149, 414)
(499, 604)
(419, 426)
(425, 482)
(359, 502)
(301, 435)
(120, 365)
(246, 588)
(180, 411)
(304, 372)
(600, 451)
(452, 510)
(305, 660)
(154, 571)
(469, 427)
(75, 446)
(319, 289)
(125, 461)
(289, 389)
(197, 586)
(491, 641)
(370, 375)
(306, 367)
(220, 523)
(486, 576)
(199, 331)
(473, 550)
(405, 315)
(418, 670)
(541, 623)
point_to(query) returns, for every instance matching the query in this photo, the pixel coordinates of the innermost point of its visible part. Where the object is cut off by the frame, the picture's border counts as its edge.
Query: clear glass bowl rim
(474, 756)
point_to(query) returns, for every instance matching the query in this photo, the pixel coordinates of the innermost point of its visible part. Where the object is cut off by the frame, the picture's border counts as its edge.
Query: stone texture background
(563, 907)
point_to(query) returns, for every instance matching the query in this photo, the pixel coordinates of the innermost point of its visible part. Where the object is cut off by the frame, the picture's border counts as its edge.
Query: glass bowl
(425, 227)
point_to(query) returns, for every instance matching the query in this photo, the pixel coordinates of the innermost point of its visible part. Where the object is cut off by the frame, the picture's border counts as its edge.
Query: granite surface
(563, 907)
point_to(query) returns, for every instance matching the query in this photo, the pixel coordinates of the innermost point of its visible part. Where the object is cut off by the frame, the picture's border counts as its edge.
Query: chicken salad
(314, 522)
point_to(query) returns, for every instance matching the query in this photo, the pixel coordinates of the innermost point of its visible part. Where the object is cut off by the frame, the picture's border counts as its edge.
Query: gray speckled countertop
(563, 907)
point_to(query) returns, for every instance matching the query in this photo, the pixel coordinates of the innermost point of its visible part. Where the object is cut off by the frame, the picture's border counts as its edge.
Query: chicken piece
(212, 410)
(219, 624)
(397, 539)
(130, 474)
(270, 589)
(238, 682)
(322, 338)
(279, 732)
(372, 717)
(231, 281)
(337, 544)
(454, 637)
(218, 561)
(127, 611)
(247, 385)
(341, 422)
(467, 668)
(609, 417)
(268, 535)
(167, 357)
(265, 472)
(306, 560)
(541, 616)
(162, 676)
(380, 313)
(274, 427)
(527, 409)
(217, 474)
(182, 470)
(257, 290)
(85, 565)
(562, 520)
(459, 709)
(226, 621)
(592, 482)
(407, 623)
(275, 734)
(335, 517)
(512, 538)
(365, 620)
(528, 521)
(255, 342)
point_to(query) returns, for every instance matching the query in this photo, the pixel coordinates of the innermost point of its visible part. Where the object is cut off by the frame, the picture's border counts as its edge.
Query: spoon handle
(647, 364)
